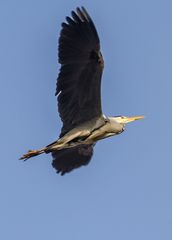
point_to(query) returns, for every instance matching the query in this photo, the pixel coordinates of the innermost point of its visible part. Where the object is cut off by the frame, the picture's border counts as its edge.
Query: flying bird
(78, 92)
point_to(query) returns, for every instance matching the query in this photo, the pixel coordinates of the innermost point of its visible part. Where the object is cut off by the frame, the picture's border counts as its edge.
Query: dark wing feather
(66, 160)
(79, 80)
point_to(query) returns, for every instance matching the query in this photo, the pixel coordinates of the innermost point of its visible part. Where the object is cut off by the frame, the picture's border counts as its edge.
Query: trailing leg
(32, 153)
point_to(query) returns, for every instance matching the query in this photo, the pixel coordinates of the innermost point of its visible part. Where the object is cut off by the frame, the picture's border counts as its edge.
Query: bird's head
(123, 119)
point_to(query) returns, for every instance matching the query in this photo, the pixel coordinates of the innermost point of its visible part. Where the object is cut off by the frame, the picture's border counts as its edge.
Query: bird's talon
(29, 154)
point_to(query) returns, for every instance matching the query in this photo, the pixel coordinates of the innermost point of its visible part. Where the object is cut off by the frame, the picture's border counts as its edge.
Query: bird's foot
(29, 154)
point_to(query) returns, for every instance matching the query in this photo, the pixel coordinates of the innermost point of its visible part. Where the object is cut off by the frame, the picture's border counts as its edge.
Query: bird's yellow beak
(131, 119)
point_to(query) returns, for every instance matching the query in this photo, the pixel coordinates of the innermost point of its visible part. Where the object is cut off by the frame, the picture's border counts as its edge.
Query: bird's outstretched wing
(66, 160)
(79, 82)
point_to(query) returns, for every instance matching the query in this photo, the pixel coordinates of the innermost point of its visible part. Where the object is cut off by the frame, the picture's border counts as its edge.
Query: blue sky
(125, 192)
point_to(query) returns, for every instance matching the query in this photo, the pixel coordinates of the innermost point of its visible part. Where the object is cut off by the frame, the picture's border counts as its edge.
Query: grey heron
(78, 92)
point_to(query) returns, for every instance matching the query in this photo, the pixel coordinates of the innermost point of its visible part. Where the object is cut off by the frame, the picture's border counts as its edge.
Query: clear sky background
(125, 193)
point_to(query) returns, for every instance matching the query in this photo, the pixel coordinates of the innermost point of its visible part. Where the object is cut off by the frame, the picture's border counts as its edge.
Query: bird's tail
(32, 153)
